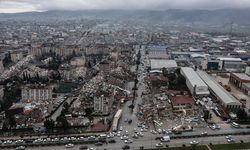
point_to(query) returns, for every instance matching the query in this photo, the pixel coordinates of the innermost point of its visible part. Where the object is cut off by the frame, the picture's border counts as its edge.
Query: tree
(66, 106)
(62, 122)
(164, 72)
(206, 115)
(241, 114)
(12, 121)
(89, 111)
(49, 124)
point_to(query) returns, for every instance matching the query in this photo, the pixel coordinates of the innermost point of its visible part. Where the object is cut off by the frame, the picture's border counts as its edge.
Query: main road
(150, 143)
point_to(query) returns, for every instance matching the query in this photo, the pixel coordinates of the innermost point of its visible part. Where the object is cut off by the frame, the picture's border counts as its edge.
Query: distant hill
(212, 17)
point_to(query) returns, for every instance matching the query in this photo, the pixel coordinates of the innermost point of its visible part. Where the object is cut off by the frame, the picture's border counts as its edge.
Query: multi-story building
(101, 105)
(232, 64)
(36, 93)
(65, 50)
(16, 56)
(1, 92)
(1, 67)
(104, 66)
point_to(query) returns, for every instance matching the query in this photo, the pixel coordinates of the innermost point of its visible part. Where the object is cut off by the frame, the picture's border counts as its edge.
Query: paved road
(150, 143)
(58, 111)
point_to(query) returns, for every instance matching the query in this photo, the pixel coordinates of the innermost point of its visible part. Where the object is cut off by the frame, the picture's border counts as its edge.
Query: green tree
(49, 124)
(207, 115)
(89, 111)
(62, 122)
(164, 72)
(66, 106)
(241, 114)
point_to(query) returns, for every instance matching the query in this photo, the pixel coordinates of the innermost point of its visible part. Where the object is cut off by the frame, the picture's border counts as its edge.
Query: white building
(1, 92)
(101, 105)
(158, 64)
(231, 64)
(16, 56)
(247, 71)
(226, 99)
(36, 93)
(194, 83)
(1, 67)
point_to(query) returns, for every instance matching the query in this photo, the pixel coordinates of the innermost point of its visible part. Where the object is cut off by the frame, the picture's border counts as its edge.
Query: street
(150, 143)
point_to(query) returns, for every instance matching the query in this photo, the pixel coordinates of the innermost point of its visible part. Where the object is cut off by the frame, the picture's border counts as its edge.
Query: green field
(231, 146)
(184, 148)
(234, 146)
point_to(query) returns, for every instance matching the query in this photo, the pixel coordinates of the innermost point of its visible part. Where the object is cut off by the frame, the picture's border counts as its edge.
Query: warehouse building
(238, 79)
(232, 64)
(226, 99)
(158, 64)
(157, 51)
(194, 83)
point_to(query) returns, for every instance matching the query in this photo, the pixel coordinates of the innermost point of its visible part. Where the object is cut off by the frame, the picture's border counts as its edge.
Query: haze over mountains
(215, 17)
(221, 20)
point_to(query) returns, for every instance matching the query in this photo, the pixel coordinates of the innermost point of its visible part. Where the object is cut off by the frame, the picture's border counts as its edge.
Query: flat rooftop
(241, 76)
(161, 63)
(193, 77)
(224, 96)
(229, 59)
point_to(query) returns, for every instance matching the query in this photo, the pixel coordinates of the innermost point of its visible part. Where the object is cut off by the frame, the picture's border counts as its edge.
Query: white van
(165, 139)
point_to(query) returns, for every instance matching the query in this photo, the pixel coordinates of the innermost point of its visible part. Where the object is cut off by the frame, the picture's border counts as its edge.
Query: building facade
(238, 79)
(101, 105)
(36, 93)
(16, 56)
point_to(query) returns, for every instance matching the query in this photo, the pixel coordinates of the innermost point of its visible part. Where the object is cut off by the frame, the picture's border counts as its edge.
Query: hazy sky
(12, 6)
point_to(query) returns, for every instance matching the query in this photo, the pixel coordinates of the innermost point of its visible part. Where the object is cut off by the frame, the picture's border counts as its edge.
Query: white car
(228, 137)
(20, 148)
(121, 128)
(159, 145)
(126, 132)
(159, 131)
(153, 131)
(129, 141)
(230, 140)
(194, 142)
(140, 134)
(135, 136)
(91, 148)
(69, 145)
(204, 133)
(124, 137)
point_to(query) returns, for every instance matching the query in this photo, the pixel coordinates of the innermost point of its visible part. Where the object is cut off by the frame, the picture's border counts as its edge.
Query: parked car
(84, 147)
(126, 147)
(20, 148)
(204, 133)
(112, 141)
(230, 140)
(159, 145)
(98, 144)
(194, 142)
(129, 141)
(69, 145)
